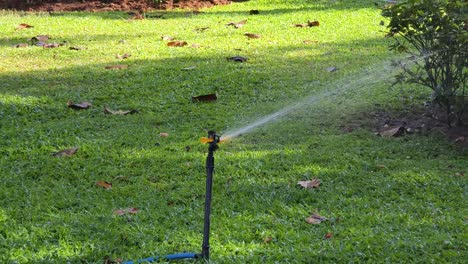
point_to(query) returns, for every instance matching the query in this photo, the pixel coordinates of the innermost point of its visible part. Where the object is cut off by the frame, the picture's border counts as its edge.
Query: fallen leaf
(332, 69)
(300, 25)
(23, 26)
(315, 219)
(254, 12)
(459, 174)
(167, 38)
(116, 67)
(51, 45)
(119, 112)
(21, 45)
(119, 212)
(328, 235)
(267, 239)
(163, 134)
(122, 57)
(40, 38)
(201, 29)
(314, 183)
(79, 106)
(393, 132)
(204, 98)
(237, 24)
(65, 152)
(251, 35)
(195, 46)
(104, 184)
(237, 59)
(308, 41)
(313, 23)
(177, 43)
(77, 48)
(130, 210)
(460, 139)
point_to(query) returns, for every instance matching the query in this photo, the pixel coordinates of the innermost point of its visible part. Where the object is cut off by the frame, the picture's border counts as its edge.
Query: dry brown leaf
(177, 43)
(314, 183)
(40, 38)
(328, 235)
(267, 239)
(237, 24)
(104, 184)
(77, 48)
(195, 46)
(204, 98)
(308, 41)
(202, 29)
(237, 59)
(122, 57)
(65, 152)
(79, 106)
(23, 26)
(163, 134)
(315, 219)
(51, 45)
(393, 132)
(251, 35)
(21, 45)
(313, 23)
(167, 38)
(119, 112)
(130, 210)
(116, 67)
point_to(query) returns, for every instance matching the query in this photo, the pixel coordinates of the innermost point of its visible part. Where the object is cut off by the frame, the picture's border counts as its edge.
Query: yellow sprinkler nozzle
(206, 140)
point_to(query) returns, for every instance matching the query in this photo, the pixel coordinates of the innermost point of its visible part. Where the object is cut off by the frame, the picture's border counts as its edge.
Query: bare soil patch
(106, 5)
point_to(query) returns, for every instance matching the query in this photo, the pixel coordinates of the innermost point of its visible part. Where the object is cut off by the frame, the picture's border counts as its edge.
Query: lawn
(386, 199)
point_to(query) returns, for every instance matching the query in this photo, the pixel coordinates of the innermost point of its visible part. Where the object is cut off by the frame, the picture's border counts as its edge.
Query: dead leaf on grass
(104, 184)
(177, 43)
(77, 48)
(123, 57)
(328, 235)
(237, 24)
(237, 59)
(130, 210)
(52, 45)
(460, 139)
(40, 38)
(119, 112)
(21, 45)
(79, 106)
(251, 35)
(393, 132)
(189, 68)
(315, 219)
(23, 26)
(163, 134)
(116, 67)
(65, 152)
(202, 29)
(267, 239)
(308, 41)
(314, 183)
(195, 46)
(204, 98)
(167, 38)
(308, 24)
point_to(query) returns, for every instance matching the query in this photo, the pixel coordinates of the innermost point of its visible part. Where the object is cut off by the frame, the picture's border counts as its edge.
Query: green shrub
(436, 32)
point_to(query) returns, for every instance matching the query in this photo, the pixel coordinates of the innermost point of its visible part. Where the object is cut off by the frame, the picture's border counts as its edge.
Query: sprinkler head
(212, 138)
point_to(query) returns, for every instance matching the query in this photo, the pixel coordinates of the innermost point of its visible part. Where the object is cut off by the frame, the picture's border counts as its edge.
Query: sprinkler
(213, 141)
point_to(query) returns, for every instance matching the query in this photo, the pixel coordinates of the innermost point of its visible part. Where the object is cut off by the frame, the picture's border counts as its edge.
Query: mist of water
(357, 83)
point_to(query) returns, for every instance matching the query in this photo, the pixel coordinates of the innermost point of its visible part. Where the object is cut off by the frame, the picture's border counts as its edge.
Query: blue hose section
(167, 257)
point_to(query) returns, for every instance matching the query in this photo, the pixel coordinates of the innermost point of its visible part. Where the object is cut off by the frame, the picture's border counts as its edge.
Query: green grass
(387, 200)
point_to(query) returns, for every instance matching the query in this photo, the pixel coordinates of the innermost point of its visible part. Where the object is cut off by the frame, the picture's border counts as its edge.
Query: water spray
(213, 139)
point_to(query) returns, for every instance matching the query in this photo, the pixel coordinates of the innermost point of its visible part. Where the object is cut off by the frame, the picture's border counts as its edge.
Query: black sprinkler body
(213, 140)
